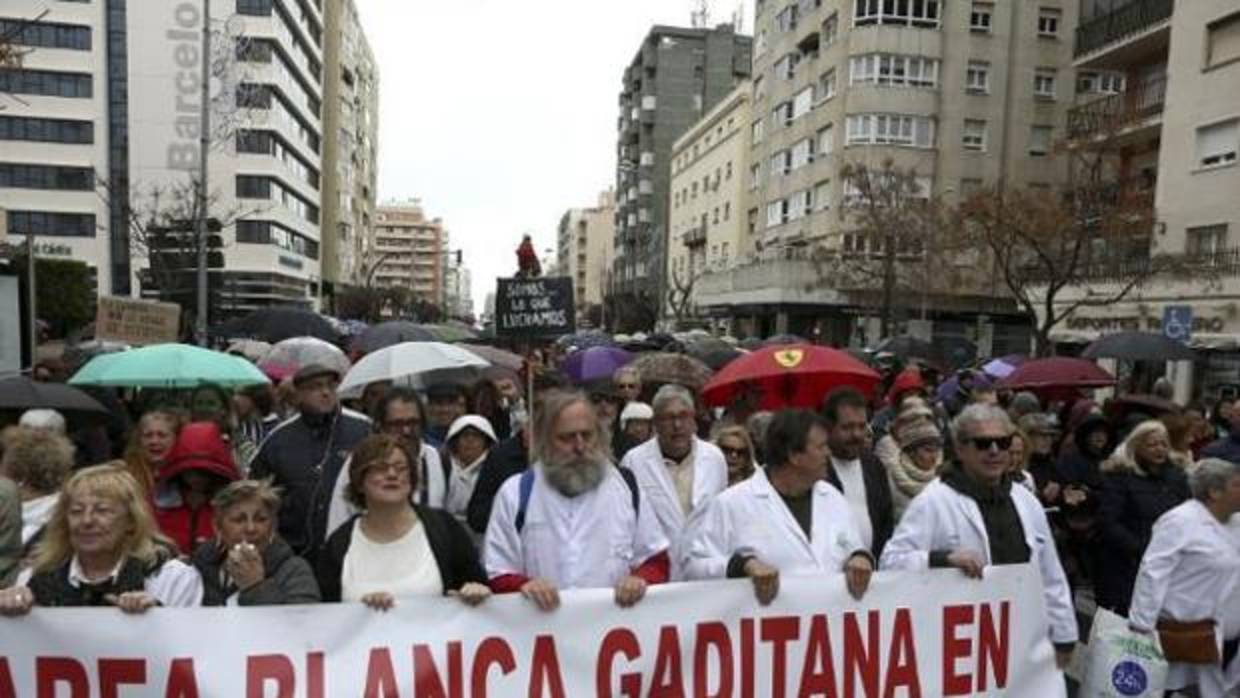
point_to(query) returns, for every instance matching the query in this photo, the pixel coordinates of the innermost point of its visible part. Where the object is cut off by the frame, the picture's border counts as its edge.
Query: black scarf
(52, 588)
(1003, 526)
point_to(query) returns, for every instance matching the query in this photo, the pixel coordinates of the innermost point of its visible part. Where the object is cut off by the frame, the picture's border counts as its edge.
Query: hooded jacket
(1082, 465)
(289, 579)
(199, 447)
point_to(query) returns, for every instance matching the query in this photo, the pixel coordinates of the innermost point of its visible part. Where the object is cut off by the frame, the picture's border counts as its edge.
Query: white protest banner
(135, 321)
(913, 635)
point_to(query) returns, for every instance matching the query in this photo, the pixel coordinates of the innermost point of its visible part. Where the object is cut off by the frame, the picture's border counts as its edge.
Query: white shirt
(852, 479)
(592, 540)
(461, 486)
(175, 584)
(404, 568)
(431, 484)
(35, 515)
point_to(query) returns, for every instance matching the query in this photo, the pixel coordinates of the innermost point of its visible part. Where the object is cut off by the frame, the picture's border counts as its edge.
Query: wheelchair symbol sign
(1178, 322)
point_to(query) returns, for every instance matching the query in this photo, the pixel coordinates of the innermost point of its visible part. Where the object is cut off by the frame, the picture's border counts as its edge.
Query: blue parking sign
(1178, 323)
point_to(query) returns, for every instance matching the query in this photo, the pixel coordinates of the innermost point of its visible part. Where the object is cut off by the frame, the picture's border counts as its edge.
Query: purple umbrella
(594, 363)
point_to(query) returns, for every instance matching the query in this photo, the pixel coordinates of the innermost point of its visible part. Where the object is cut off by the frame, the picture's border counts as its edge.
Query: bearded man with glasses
(971, 517)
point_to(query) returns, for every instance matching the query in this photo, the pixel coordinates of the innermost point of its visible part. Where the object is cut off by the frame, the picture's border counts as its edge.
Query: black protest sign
(535, 307)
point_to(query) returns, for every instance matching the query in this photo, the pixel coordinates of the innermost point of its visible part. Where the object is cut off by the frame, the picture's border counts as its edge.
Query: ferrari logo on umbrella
(790, 358)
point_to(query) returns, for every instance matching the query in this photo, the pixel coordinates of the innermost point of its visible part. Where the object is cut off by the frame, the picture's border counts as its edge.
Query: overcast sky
(500, 115)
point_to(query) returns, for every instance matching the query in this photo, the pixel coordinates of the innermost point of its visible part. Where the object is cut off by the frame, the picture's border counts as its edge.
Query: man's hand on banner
(857, 571)
(132, 601)
(379, 601)
(471, 593)
(968, 562)
(16, 601)
(543, 593)
(630, 590)
(765, 580)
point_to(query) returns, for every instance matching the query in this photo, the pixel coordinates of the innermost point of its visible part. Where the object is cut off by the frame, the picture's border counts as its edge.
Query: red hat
(906, 381)
(200, 446)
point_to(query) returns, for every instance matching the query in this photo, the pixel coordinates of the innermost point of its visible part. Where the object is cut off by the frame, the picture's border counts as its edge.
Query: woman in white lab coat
(1191, 572)
(784, 520)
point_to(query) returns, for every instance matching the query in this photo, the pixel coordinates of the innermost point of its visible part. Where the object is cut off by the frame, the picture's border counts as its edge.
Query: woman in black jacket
(396, 549)
(248, 564)
(1139, 484)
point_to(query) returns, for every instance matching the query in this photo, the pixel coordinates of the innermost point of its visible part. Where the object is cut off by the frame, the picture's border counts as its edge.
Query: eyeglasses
(626, 386)
(401, 425)
(734, 452)
(986, 443)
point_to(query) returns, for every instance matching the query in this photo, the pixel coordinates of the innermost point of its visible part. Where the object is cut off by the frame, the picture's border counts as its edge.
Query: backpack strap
(525, 489)
(634, 491)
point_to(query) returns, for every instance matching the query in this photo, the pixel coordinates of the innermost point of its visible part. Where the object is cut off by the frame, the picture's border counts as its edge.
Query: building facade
(584, 250)
(677, 76)
(709, 200)
(350, 143)
(408, 250)
(964, 94)
(1165, 74)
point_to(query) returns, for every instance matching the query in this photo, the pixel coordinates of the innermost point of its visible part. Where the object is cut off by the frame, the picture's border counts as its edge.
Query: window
(1223, 40)
(822, 195)
(801, 154)
(830, 29)
(802, 103)
(1044, 83)
(271, 233)
(891, 129)
(782, 114)
(786, 20)
(257, 8)
(980, 17)
(751, 221)
(46, 34)
(786, 67)
(913, 13)
(1048, 22)
(826, 140)
(52, 224)
(893, 70)
(1217, 144)
(781, 163)
(974, 134)
(716, 216)
(977, 77)
(727, 210)
(1107, 83)
(826, 85)
(728, 171)
(776, 213)
(1207, 240)
(48, 83)
(23, 128)
(1040, 140)
(24, 176)
(755, 175)
(756, 132)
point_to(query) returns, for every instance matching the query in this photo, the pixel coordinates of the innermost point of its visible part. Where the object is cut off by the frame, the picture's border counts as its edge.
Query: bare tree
(680, 294)
(12, 52)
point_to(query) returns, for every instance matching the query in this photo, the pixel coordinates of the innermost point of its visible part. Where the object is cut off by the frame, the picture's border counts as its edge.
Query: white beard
(575, 476)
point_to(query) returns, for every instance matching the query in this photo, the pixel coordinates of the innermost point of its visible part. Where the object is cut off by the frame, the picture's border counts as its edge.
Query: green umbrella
(168, 366)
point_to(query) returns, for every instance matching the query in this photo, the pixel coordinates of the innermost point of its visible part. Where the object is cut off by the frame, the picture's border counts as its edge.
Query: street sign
(535, 307)
(1178, 322)
(137, 322)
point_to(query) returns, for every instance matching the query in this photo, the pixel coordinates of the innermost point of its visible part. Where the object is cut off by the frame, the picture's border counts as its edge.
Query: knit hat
(636, 410)
(920, 434)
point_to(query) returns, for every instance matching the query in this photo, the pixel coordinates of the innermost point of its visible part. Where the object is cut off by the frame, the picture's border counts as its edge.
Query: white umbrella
(416, 364)
(295, 353)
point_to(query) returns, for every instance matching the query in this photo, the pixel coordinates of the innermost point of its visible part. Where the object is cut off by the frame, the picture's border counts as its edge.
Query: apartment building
(709, 199)
(584, 250)
(408, 250)
(350, 142)
(1164, 75)
(675, 78)
(964, 93)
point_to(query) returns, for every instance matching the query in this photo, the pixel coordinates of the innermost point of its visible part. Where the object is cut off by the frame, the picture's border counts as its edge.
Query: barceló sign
(534, 307)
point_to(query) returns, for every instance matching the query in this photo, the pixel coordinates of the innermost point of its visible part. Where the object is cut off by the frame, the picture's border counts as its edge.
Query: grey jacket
(10, 531)
(289, 578)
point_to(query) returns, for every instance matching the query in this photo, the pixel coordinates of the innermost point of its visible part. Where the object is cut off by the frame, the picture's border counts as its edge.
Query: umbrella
(18, 394)
(1138, 346)
(387, 334)
(451, 332)
(751, 343)
(1003, 366)
(1120, 407)
(415, 363)
(1057, 373)
(595, 363)
(496, 356)
(780, 339)
(715, 353)
(291, 355)
(276, 324)
(586, 339)
(168, 366)
(251, 349)
(665, 367)
(796, 375)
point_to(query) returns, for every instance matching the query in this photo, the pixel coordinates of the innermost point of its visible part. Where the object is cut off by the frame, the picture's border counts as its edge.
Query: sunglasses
(986, 443)
(734, 452)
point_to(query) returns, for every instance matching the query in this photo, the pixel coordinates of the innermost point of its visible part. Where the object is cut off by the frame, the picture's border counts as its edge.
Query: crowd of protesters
(284, 495)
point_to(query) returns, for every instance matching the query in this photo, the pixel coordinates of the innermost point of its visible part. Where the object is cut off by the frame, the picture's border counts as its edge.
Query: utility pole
(32, 301)
(200, 329)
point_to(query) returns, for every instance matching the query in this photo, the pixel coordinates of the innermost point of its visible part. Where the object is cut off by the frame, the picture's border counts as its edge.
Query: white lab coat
(340, 510)
(1191, 571)
(710, 477)
(940, 518)
(750, 518)
(592, 540)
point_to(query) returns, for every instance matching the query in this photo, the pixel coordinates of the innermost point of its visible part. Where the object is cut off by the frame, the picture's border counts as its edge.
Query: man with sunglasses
(972, 516)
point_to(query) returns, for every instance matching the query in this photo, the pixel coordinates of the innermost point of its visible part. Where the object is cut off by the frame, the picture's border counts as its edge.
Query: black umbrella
(387, 334)
(1138, 346)
(278, 324)
(785, 339)
(18, 394)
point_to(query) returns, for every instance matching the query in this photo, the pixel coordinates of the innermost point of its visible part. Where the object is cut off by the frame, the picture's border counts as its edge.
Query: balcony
(1186, 266)
(695, 237)
(1139, 105)
(1135, 28)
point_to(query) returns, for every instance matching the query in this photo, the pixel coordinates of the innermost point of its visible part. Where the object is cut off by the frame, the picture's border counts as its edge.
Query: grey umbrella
(18, 394)
(1138, 346)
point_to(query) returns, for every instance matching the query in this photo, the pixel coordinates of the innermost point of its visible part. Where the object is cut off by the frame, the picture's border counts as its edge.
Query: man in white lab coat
(971, 516)
(573, 520)
(784, 519)
(677, 472)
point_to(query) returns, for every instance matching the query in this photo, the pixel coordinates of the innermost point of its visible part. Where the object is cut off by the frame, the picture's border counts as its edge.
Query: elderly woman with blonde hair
(733, 441)
(38, 462)
(102, 548)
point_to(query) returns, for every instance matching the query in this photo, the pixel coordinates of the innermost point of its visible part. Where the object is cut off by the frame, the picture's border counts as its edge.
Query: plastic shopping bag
(1122, 663)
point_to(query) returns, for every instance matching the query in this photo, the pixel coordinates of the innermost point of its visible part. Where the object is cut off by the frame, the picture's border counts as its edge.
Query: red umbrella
(796, 375)
(1057, 373)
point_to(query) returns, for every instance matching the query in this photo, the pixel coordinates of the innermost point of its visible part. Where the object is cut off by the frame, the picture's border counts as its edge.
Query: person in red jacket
(199, 465)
